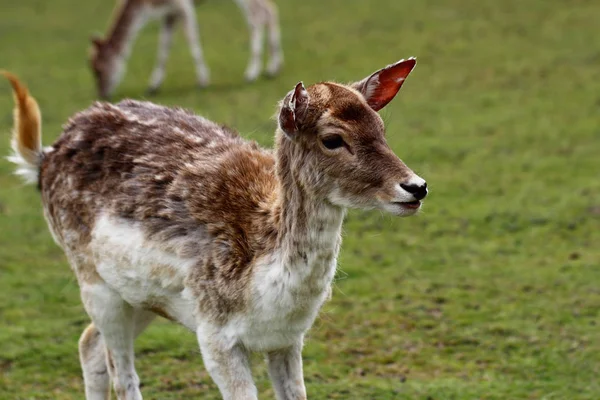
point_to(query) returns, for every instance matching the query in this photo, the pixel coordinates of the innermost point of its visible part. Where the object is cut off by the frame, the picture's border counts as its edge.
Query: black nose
(419, 191)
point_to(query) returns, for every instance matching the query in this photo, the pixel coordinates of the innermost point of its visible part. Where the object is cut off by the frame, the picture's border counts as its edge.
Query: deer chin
(402, 209)
(337, 198)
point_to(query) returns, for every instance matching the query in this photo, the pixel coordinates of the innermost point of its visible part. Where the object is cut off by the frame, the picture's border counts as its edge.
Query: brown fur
(116, 161)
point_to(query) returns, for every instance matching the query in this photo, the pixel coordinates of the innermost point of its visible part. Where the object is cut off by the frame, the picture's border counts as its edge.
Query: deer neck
(309, 226)
(129, 18)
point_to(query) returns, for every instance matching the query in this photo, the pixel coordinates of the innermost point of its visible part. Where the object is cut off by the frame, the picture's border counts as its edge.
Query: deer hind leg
(93, 363)
(93, 357)
(193, 37)
(228, 364)
(255, 17)
(275, 50)
(115, 325)
(165, 41)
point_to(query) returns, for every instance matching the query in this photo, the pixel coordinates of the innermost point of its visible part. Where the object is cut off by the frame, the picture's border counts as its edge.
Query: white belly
(143, 273)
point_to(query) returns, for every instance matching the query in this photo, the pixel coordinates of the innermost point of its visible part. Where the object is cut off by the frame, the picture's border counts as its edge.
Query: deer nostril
(419, 191)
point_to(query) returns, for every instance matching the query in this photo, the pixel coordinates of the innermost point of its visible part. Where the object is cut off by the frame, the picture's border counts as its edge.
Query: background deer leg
(255, 18)
(193, 37)
(275, 51)
(165, 41)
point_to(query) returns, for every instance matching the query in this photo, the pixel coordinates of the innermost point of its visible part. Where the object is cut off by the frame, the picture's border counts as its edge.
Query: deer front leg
(285, 370)
(228, 365)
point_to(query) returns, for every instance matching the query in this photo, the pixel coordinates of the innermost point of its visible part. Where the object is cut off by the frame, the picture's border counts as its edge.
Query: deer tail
(27, 132)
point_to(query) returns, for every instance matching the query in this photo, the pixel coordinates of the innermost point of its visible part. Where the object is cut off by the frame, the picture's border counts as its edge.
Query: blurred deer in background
(162, 212)
(109, 55)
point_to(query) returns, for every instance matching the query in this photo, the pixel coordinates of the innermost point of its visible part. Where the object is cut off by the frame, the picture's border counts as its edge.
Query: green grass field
(493, 292)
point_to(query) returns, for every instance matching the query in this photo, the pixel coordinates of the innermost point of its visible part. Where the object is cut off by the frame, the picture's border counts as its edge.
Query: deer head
(331, 143)
(107, 67)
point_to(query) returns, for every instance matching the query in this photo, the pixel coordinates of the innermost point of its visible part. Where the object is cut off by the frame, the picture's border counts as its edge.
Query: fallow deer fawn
(162, 212)
(109, 55)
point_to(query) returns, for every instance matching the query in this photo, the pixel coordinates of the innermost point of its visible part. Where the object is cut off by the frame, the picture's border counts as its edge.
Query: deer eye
(333, 142)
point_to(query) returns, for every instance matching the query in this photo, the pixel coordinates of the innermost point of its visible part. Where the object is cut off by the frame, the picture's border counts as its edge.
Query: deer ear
(381, 87)
(97, 41)
(293, 110)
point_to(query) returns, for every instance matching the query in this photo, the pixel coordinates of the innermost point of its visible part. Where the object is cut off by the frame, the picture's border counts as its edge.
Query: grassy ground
(493, 292)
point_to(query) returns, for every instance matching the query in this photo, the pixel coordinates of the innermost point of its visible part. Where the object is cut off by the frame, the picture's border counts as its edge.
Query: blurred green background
(493, 292)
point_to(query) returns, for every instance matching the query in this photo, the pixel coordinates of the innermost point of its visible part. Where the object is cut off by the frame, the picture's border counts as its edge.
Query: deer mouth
(413, 205)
